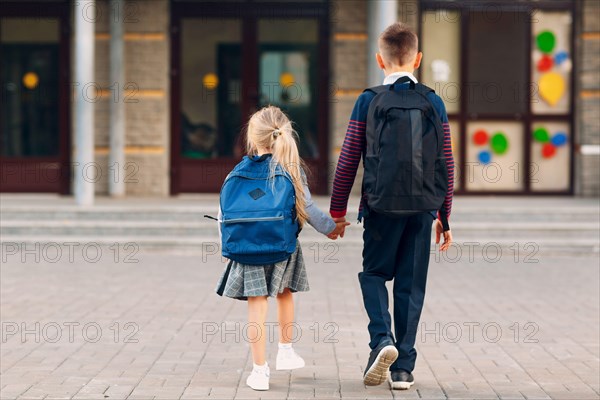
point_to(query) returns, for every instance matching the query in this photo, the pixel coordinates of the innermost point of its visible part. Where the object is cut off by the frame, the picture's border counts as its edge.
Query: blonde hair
(271, 130)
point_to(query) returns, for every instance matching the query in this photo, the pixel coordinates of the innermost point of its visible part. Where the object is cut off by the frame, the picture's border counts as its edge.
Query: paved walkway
(511, 329)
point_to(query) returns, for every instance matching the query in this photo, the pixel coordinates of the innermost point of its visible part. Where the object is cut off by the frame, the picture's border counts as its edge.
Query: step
(133, 229)
(35, 217)
(209, 244)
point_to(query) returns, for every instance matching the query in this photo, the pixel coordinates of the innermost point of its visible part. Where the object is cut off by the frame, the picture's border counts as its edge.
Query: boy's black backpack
(405, 167)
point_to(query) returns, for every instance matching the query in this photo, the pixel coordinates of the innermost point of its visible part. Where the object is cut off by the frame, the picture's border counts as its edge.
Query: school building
(149, 97)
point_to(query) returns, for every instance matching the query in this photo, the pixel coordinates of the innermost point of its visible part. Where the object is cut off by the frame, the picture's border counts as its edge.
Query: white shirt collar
(393, 77)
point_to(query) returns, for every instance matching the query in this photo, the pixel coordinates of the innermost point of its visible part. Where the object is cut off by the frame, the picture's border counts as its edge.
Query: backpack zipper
(258, 219)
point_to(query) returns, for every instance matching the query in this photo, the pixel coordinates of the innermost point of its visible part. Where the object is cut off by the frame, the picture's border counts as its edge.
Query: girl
(271, 137)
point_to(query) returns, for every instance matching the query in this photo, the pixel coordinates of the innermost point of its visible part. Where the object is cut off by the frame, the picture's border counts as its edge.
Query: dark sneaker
(379, 363)
(401, 380)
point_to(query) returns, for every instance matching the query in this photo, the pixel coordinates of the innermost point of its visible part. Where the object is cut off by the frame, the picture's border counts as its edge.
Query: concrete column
(85, 171)
(116, 159)
(381, 14)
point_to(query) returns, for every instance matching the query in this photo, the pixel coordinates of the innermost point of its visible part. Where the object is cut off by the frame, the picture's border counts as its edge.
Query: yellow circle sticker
(286, 79)
(31, 80)
(210, 81)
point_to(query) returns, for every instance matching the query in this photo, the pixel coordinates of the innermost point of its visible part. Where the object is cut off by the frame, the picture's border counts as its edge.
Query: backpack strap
(424, 89)
(376, 89)
(383, 88)
(403, 79)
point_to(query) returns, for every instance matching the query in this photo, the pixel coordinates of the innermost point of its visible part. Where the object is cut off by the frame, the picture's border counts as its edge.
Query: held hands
(341, 224)
(439, 230)
(340, 228)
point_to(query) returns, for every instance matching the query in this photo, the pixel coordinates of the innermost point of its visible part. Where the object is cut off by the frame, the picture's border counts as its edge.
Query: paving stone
(169, 298)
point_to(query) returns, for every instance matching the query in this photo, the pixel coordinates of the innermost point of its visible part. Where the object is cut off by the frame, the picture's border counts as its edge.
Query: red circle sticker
(480, 137)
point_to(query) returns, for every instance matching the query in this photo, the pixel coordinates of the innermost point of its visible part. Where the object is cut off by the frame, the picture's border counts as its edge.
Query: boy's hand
(439, 230)
(340, 227)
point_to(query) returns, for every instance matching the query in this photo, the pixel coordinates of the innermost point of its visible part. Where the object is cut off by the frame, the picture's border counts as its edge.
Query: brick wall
(587, 172)
(349, 58)
(147, 67)
(348, 69)
(145, 92)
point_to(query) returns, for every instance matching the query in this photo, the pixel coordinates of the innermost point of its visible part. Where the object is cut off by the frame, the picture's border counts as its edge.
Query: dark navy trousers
(395, 249)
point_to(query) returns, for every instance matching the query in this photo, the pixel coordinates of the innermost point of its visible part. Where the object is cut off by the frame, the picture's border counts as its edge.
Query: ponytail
(271, 130)
(285, 154)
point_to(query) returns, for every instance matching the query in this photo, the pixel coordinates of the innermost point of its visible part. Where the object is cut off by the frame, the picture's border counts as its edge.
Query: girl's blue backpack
(259, 225)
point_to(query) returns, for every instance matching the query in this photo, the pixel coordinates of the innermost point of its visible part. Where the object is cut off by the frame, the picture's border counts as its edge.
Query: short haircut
(398, 44)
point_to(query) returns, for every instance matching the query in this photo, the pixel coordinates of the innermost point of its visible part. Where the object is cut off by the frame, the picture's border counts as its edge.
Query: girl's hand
(340, 227)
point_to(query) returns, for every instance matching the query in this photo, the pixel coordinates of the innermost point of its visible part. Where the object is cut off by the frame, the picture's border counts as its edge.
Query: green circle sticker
(499, 143)
(541, 135)
(546, 41)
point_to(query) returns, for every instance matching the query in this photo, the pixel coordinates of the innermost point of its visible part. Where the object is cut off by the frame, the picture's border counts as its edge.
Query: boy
(395, 247)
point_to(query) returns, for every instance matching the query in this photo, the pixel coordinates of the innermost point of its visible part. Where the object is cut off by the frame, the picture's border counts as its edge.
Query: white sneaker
(259, 378)
(288, 359)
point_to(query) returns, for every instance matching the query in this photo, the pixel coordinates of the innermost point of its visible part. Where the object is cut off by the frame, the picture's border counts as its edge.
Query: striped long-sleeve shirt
(355, 144)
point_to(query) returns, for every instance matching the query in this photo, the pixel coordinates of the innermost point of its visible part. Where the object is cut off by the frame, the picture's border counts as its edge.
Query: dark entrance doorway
(230, 59)
(34, 111)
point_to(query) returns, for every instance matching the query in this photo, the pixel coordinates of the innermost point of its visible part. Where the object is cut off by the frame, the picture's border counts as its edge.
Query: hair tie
(276, 133)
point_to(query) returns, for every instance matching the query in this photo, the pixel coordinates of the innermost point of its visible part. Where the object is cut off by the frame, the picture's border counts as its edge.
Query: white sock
(285, 346)
(260, 368)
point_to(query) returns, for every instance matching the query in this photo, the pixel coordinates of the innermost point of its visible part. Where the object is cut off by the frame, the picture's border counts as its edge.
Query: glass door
(287, 76)
(229, 62)
(210, 78)
(34, 108)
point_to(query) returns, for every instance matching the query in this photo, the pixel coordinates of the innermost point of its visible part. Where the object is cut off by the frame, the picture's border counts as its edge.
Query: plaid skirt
(241, 281)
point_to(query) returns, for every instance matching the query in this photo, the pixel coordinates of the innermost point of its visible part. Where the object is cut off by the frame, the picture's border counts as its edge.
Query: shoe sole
(259, 389)
(401, 385)
(378, 372)
(289, 369)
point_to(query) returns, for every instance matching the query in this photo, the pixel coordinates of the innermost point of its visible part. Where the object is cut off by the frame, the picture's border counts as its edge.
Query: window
(496, 62)
(35, 100)
(229, 60)
(441, 63)
(504, 72)
(29, 79)
(551, 62)
(287, 75)
(210, 91)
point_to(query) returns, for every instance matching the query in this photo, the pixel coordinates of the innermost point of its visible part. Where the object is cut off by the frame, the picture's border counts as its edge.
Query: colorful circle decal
(484, 157)
(286, 79)
(31, 80)
(552, 87)
(548, 150)
(210, 81)
(545, 41)
(559, 139)
(545, 63)
(541, 135)
(550, 144)
(499, 143)
(552, 68)
(560, 57)
(480, 137)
